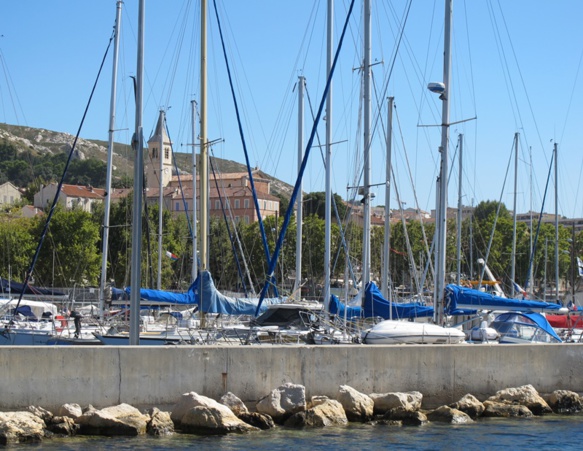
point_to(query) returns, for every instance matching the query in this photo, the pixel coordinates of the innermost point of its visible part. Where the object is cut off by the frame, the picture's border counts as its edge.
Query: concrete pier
(156, 376)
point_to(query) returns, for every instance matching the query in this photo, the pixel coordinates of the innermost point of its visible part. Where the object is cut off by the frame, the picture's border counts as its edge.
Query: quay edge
(50, 376)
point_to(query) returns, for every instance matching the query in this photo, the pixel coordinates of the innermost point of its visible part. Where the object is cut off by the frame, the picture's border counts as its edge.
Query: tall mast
(367, 143)
(459, 211)
(204, 183)
(328, 183)
(138, 143)
(105, 243)
(387, 241)
(556, 222)
(160, 197)
(194, 203)
(513, 257)
(299, 206)
(441, 224)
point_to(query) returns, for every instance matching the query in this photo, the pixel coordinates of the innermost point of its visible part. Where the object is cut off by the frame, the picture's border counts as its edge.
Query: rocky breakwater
(285, 406)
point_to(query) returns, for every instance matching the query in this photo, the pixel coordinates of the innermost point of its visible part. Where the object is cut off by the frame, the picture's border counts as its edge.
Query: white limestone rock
(122, 419)
(446, 414)
(283, 402)
(358, 406)
(407, 400)
(160, 423)
(70, 410)
(497, 409)
(470, 405)
(565, 401)
(234, 403)
(213, 420)
(21, 427)
(323, 414)
(188, 401)
(525, 395)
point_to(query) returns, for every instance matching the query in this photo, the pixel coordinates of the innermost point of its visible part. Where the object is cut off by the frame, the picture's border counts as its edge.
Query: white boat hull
(406, 332)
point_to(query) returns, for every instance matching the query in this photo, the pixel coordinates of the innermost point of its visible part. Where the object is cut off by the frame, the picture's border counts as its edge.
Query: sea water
(553, 432)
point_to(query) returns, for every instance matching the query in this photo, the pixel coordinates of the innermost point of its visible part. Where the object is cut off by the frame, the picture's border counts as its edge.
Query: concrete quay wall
(156, 376)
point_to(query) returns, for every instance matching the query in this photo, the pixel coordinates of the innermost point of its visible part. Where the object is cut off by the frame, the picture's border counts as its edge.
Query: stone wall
(156, 376)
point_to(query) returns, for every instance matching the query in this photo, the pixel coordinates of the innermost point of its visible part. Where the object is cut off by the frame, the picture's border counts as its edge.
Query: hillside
(40, 142)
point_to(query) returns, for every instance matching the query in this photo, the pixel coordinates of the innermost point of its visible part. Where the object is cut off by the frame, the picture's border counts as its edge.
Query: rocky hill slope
(39, 141)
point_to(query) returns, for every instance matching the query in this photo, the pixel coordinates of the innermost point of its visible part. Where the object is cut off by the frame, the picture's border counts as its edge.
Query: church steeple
(155, 154)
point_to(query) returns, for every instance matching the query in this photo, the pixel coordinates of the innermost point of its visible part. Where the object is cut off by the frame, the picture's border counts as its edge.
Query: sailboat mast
(160, 198)
(387, 241)
(299, 206)
(138, 143)
(513, 257)
(328, 176)
(110, 144)
(459, 210)
(204, 175)
(194, 219)
(367, 143)
(556, 222)
(441, 224)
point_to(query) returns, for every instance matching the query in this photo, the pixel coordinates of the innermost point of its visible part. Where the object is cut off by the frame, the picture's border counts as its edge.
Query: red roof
(87, 192)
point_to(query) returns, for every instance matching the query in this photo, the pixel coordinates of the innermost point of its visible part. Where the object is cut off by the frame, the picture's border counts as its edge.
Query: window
(236, 219)
(246, 219)
(237, 203)
(166, 153)
(177, 206)
(217, 204)
(246, 203)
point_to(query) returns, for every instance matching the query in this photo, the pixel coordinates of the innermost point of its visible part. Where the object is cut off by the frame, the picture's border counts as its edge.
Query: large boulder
(70, 410)
(325, 412)
(525, 396)
(283, 402)
(188, 401)
(505, 410)
(43, 414)
(446, 414)
(259, 420)
(565, 401)
(358, 406)
(160, 423)
(64, 426)
(407, 400)
(237, 406)
(122, 419)
(20, 427)
(469, 404)
(404, 416)
(213, 420)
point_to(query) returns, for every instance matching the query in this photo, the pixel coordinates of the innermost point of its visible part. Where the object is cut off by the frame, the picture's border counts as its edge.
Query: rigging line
(58, 191)
(294, 195)
(229, 233)
(495, 221)
(249, 171)
(425, 241)
(9, 84)
(521, 77)
(340, 221)
(235, 232)
(393, 60)
(185, 205)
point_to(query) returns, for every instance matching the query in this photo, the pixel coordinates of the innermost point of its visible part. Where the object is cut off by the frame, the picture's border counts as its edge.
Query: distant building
(231, 191)
(71, 196)
(29, 211)
(154, 154)
(9, 194)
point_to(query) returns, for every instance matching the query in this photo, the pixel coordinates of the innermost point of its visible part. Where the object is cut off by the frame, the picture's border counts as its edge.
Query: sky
(515, 69)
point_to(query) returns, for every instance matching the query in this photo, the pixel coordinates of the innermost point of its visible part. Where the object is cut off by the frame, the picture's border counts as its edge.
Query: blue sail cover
(536, 318)
(167, 297)
(376, 305)
(215, 302)
(461, 297)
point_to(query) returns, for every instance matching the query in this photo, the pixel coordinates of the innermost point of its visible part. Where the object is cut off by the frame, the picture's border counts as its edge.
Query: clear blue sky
(515, 66)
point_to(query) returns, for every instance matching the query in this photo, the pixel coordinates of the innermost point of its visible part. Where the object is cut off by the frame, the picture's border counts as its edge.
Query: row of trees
(71, 253)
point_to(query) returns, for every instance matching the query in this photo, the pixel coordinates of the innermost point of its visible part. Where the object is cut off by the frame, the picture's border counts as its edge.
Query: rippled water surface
(546, 433)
